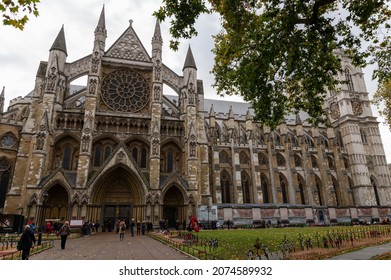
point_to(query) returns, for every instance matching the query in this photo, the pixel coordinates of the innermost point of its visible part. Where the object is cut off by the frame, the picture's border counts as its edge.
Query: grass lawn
(235, 244)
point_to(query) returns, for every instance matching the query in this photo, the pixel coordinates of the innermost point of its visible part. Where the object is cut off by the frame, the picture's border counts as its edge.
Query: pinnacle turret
(157, 35)
(100, 31)
(189, 62)
(2, 100)
(59, 42)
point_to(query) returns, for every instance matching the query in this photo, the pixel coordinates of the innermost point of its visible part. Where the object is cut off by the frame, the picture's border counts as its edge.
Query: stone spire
(100, 31)
(189, 62)
(2, 101)
(212, 112)
(59, 43)
(298, 119)
(157, 35)
(230, 113)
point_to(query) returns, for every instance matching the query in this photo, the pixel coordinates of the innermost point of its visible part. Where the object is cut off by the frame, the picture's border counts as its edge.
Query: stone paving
(365, 254)
(107, 246)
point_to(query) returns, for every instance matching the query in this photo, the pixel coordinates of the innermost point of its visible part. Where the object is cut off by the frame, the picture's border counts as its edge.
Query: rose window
(125, 91)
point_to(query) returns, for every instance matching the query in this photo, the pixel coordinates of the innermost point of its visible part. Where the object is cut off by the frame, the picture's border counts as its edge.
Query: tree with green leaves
(280, 55)
(16, 13)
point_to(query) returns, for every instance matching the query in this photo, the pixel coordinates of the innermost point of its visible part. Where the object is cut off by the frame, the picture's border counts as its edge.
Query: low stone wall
(242, 215)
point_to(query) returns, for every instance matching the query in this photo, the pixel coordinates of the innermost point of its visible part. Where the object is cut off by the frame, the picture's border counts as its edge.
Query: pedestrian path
(365, 254)
(107, 246)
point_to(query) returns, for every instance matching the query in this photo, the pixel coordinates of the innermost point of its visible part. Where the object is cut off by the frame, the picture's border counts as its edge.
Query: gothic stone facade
(119, 148)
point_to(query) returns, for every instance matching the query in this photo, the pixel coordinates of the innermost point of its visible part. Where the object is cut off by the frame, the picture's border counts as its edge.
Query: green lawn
(235, 244)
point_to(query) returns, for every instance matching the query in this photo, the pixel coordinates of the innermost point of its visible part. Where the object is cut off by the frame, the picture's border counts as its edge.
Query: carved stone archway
(117, 195)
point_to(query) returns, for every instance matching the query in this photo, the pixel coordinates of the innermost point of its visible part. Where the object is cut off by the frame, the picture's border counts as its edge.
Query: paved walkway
(107, 246)
(365, 254)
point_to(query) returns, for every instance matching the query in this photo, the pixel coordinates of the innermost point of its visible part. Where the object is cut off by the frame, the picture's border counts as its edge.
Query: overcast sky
(21, 51)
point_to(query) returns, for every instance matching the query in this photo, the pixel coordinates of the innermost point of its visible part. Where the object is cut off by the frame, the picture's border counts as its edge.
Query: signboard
(76, 223)
(207, 213)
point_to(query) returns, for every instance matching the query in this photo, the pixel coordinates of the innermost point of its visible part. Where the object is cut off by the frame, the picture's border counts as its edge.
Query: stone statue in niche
(95, 62)
(156, 91)
(51, 79)
(158, 70)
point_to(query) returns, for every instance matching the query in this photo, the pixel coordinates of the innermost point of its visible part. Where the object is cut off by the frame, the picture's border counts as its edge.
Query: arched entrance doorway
(118, 195)
(173, 206)
(55, 203)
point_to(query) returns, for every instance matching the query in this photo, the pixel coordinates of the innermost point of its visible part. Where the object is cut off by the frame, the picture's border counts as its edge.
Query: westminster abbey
(120, 147)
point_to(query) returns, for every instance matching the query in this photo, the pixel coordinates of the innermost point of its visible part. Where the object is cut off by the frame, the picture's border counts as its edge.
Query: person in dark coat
(64, 231)
(132, 225)
(28, 241)
(138, 227)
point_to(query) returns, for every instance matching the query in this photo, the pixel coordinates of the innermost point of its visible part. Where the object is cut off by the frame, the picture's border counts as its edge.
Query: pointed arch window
(224, 157)
(244, 159)
(298, 161)
(301, 193)
(225, 187)
(170, 162)
(280, 160)
(5, 172)
(339, 138)
(135, 154)
(284, 191)
(66, 160)
(143, 163)
(374, 185)
(293, 140)
(265, 189)
(314, 161)
(334, 192)
(245, 187)
(262, 159)
(317, 192)
(349, 80)
(97, 155)
(363, 136)
(107, 152)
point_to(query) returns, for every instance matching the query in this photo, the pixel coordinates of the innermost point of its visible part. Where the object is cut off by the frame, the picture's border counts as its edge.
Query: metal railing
(14, 255)
(202, 254)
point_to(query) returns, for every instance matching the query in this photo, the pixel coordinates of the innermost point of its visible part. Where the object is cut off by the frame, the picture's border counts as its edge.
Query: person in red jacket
(194, 224)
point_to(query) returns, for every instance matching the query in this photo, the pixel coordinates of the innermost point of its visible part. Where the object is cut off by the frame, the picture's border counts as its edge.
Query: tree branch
(315, 9)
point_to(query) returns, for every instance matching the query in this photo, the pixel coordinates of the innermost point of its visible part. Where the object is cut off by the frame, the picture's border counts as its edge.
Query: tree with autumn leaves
(279, 55)
(16, 13)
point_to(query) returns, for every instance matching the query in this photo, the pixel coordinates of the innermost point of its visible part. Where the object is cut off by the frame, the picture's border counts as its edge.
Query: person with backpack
(122, 228)
(27, 241)
(64, 231)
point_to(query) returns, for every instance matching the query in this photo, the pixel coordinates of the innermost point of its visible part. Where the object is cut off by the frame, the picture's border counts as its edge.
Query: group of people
(89, 228)
(121, 227)
(27, 239)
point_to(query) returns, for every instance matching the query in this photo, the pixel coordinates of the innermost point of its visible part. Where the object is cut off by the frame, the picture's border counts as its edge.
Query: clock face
(334, 111)
(8, 141)
(357, 107)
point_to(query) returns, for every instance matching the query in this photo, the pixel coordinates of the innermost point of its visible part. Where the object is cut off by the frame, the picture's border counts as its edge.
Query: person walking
(132, 227)
(64, 231)
(28, 240)
(138, 227)
(117, 226)
(122, 228)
